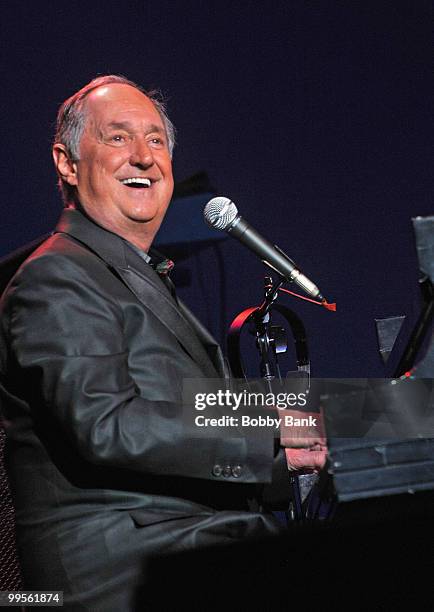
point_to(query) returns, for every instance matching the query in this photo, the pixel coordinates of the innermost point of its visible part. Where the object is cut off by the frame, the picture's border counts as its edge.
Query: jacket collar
(138, 276)
(107, 245)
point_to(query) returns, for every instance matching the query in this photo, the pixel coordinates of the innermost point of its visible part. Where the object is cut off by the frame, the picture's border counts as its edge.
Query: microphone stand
(266, 333)
(270, 341)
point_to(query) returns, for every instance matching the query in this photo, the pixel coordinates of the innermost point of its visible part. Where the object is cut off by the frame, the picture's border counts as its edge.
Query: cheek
(169, 178)
(100, 174)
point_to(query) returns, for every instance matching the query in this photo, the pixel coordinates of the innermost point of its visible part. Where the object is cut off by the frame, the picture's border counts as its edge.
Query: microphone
(222, 214)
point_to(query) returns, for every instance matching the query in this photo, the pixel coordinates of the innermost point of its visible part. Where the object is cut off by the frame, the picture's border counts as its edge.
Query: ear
(66, 168)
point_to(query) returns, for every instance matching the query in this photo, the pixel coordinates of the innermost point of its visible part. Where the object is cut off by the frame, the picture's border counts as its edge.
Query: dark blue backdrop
(314, 117)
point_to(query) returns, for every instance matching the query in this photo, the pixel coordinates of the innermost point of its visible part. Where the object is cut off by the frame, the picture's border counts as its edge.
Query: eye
(118, 139)
(157, 141)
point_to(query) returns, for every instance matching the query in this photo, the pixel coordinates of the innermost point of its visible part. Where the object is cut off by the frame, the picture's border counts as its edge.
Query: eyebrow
(126, 125)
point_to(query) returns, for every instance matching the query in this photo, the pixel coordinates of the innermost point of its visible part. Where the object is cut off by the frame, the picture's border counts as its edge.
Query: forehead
(116, 102)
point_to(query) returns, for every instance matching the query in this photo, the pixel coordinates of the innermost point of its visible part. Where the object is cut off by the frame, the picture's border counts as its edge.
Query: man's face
(124, 139)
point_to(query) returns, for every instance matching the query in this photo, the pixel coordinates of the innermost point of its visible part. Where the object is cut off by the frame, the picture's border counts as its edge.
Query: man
(95, 346)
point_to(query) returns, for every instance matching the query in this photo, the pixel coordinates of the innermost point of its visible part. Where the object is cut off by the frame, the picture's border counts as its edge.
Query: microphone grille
(220, 212)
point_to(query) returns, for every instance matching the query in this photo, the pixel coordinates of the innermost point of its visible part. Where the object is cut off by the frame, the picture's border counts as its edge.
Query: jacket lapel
(212, 347)
(148, 288)
(159, 301)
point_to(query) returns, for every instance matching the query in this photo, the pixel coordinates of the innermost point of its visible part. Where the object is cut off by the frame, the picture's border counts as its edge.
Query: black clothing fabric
(104, 471)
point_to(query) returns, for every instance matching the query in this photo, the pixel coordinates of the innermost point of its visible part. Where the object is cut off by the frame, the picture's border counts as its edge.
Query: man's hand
(302, 434)
(301, 429)
(305, 459)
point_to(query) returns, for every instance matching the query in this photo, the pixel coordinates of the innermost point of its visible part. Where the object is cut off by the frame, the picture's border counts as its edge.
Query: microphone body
(221, 213)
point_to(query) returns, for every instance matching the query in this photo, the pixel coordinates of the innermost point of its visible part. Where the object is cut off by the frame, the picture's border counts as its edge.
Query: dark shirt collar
(160, 263)
(142, 254)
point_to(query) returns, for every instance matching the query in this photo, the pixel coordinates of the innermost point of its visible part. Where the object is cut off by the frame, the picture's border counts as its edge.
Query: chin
(140, 218)
(145, 217)
(142, 213)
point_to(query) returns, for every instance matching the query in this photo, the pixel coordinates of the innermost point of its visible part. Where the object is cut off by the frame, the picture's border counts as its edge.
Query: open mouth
(137, 183)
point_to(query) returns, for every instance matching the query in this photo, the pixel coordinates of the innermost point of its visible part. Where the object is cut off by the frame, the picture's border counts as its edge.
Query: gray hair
(71, 120)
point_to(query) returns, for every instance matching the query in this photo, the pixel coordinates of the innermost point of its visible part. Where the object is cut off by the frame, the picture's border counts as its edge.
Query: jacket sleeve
(65, 330)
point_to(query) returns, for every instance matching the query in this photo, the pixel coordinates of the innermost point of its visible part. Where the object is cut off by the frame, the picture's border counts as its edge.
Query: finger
(302, 441)
(318, 447)
(301, 429)
(298, 459)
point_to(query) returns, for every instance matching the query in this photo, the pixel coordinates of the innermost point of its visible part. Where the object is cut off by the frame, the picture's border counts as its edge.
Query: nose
(141, 153)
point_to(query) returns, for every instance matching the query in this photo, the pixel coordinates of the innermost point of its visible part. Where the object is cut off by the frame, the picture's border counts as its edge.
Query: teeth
(137, 181)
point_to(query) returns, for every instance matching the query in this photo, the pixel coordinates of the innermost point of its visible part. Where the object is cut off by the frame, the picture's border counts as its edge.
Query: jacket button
(217, 470)
(236, 471)
(227, 471)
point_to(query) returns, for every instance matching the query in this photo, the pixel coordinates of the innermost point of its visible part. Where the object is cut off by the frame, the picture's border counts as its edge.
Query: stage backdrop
(314, 117)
